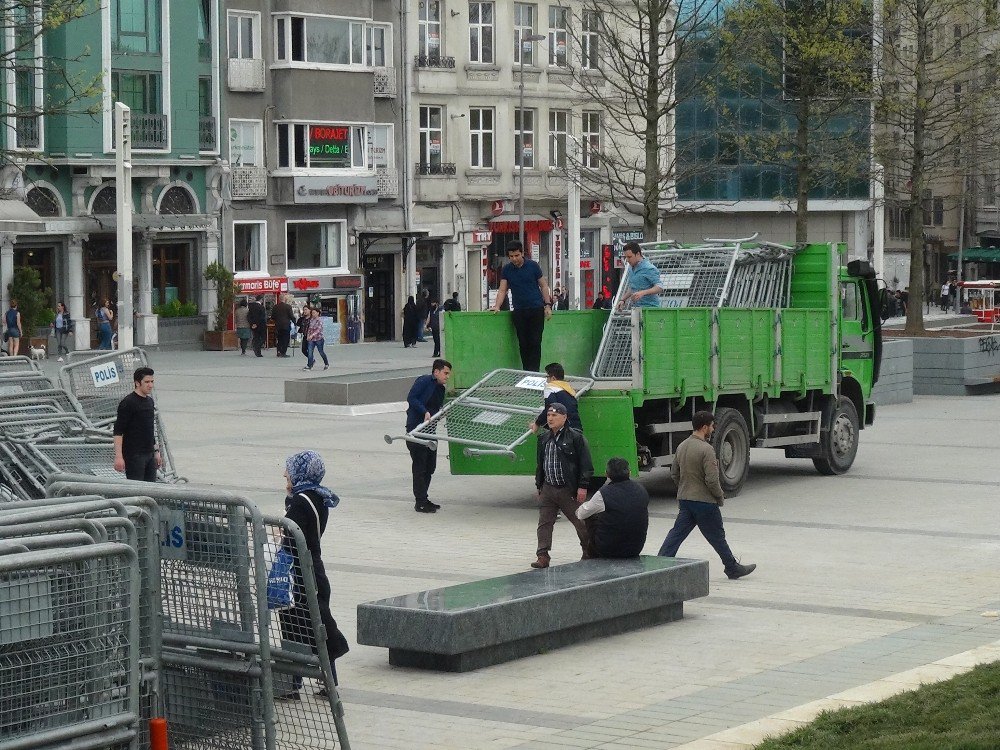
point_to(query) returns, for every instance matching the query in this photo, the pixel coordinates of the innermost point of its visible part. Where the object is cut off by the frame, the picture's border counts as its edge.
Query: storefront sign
(482, 236)
(620, 237)
(347, 282)
(596, 207)
(310, 283)
(500, 207)
(304, 285)
(270, 285)
(358, 189)
(587, 265)
(330, 146)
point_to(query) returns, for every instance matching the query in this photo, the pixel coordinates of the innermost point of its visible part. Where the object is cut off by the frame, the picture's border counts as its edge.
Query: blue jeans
(708, 518)
(104, 335)
(313, 346)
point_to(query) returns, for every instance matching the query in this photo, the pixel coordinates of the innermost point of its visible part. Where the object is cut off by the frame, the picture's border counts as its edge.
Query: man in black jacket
(564, 470)
(617, 515)
(282, 316)
(257, 319)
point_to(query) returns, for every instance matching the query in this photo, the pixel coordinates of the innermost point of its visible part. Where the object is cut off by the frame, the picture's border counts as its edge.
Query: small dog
(38, 352)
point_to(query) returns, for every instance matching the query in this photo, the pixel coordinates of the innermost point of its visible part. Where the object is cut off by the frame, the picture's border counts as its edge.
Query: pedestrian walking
(617, 516)
(136, 451)
(699, 496)
(12, 329)
(308, 503)
(532, 303)
(563, 471)
(105, 334)
(423, 305)
(241, 319)
(411, 323)
(303, 325)
(61, 327)
(643, 279)
(558, 391)
(316, 341)
(425, 399)
(434, 326)
(258, 325)
(282, 316)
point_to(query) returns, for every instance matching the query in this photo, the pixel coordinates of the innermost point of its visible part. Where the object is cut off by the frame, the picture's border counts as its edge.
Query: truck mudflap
(491, 417)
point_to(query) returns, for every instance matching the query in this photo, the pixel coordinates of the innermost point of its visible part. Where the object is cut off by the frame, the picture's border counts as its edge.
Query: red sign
(587, 265)
(596, 207)
(270, 285)
(347, 282)
(482, 236)
(304, 284)
(497, 208)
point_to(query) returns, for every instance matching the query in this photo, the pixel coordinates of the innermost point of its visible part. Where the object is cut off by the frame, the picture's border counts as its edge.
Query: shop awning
(979, 255)
(509, 223)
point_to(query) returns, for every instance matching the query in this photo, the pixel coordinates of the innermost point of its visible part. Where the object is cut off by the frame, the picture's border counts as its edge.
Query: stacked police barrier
(122, 601)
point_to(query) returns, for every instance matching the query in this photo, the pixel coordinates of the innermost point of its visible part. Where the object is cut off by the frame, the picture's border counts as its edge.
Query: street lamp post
(526, 42)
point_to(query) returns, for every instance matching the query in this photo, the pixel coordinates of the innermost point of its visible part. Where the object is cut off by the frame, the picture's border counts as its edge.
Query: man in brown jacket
(699, 496)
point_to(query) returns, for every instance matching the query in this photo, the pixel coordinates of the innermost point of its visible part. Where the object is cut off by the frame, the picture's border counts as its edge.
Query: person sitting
(617, 515)
(558, 391)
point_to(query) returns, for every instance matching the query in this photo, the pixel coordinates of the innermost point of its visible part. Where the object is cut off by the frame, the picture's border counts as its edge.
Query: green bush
(33, 302)
(225, 292)
(176, 309)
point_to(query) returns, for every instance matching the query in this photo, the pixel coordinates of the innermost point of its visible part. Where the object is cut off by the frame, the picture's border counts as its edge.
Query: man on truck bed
(699, 496)
(532, 303)
(643, 280)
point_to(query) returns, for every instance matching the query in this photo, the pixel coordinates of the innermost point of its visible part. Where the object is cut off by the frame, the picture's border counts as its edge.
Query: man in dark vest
(617, 515)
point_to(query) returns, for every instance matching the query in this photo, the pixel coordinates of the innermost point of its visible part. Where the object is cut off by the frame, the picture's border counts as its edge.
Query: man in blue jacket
(425, 399)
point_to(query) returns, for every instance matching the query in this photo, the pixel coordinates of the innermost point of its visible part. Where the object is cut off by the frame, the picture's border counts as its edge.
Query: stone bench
(351, 390)
(472, 625)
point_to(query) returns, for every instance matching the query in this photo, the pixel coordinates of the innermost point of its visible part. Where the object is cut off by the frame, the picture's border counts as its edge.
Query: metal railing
(206, 134)
(248, 183)
(149, 131)
(387, 181)
(384, 86)
(435, 168)
(245, 74)
(27, 127)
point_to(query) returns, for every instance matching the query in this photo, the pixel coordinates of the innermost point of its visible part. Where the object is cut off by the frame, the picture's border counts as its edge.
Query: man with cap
(563, 472)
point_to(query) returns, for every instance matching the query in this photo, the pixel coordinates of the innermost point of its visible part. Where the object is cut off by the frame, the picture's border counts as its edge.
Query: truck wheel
(731, 441)
(838, 443)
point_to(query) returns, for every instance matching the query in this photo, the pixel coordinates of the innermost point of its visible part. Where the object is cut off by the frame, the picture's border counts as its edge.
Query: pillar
(74, 270)
(209, 254)
(6, 267)
(144, 267)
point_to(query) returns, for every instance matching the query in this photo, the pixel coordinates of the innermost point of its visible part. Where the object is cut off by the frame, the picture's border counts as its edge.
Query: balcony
(435, 61)
(435, 168)
(388, 182)
(149, 131)
(27, 131)
(206, 134)
(248, 183)
(245, 74)
(384, 86)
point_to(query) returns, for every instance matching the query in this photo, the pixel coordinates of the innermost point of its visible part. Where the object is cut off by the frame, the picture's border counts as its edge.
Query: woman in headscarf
(242, 320)
(411, 322)
(308, 504)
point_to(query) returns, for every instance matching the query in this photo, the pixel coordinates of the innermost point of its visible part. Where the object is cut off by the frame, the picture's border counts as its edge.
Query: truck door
(857, 343)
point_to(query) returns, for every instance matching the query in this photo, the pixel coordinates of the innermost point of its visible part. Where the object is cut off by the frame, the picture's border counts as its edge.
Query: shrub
(33, 302)
(176, 309)
(225, 292)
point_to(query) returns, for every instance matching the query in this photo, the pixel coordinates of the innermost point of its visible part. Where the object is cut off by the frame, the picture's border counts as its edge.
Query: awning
(510, 223)
(978, 255)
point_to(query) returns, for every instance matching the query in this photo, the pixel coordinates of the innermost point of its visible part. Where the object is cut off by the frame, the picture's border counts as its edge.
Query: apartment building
(58, 177)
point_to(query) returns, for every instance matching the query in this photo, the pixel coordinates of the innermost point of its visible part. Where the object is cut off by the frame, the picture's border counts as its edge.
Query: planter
(962, 364)
(181, 330)
(221, 341)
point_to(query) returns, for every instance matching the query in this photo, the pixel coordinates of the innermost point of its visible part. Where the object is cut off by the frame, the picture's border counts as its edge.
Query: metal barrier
(491, 417)
(19, 364)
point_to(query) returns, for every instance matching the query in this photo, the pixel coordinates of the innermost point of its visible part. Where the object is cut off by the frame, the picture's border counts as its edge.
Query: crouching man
(617, 515)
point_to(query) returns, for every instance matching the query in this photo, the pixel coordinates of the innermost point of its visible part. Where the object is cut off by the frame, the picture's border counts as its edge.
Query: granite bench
(472, 625)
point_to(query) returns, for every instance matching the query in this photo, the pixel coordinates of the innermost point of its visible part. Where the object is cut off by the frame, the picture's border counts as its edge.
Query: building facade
(59, 167)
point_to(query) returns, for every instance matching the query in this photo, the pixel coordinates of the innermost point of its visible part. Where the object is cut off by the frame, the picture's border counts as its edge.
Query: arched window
(105, 201)
(177, 200)
(42, 201)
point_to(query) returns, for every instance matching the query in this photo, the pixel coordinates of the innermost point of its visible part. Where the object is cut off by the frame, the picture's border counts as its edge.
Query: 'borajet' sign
(104, 375)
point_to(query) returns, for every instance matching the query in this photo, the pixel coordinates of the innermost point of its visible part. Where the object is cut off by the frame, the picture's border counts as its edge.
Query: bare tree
(937, 109)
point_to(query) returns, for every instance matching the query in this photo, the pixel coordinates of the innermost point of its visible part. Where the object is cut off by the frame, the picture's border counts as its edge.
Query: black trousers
(437, 342)
(282, 336)
(257, 339)
(141, 466)
(424, 462)
(529, 323)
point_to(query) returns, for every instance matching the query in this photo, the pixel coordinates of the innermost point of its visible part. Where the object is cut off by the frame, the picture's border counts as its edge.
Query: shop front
(339, 299)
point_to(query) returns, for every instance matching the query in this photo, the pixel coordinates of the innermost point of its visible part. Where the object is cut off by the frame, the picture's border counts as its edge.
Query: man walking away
(532, 303)
(452, 304)
(617, 515)
(136, 451)
(699, 496)
(563, 472)
(425, 399)
(434, 326)
(558, 391)
(643, 280)
(258, 325)
(423, 305)
(282, 316)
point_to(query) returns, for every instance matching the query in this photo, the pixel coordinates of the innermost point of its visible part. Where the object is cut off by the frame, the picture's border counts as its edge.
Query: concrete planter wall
(895, 382)
(182, 330)
(956, 366)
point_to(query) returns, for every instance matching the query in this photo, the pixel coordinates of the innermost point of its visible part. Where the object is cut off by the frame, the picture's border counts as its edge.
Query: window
(205, 96)
(177, 200)
(244, 36)
(558, 135)
(315, 245)
(204, 31)
(140, 91)
(590, 41)
(524, 138)
(850, 301)
(932, 209)
(322, 146)
(137, 26)
(481, 33)
(591, 156)
(938, 212)
(43, 202)
(321, 40)
(524, 26)
(481, 130)
(899, 220)
(558, 35)
(245, 138)
(248, 243)
(431, 135)
(429, 28)
(382, 154)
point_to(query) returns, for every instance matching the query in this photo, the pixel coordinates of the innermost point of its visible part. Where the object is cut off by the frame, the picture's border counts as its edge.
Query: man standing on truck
(563, 473)
(699, 496)
(643, 279)
(532, 303)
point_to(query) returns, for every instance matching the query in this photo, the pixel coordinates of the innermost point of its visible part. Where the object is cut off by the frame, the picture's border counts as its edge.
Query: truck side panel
(676, 349)
(805, 350)
(746, 341)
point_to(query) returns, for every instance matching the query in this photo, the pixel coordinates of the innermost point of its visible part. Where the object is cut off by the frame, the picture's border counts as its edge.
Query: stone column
(144, 267)
(74, 270)
(6, 267)
(209, 254)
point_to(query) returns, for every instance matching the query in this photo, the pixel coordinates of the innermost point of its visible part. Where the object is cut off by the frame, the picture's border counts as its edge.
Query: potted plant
(34, 303)
(222, 339)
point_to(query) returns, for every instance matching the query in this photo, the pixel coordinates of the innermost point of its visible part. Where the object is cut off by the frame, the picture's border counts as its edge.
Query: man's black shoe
(741, 570)
(425, 508)
(435, 506)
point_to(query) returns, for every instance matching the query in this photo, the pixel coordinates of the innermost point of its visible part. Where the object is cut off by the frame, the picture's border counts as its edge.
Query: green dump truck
(782, 343)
